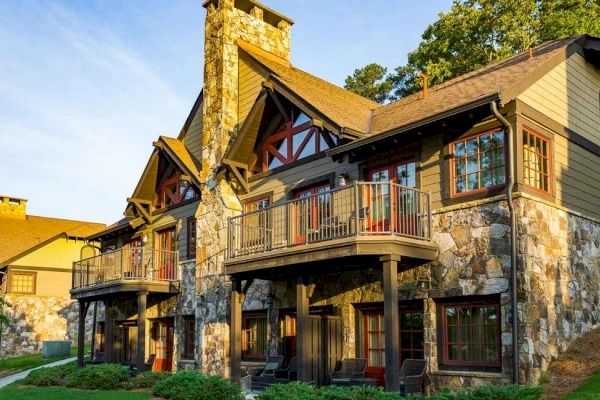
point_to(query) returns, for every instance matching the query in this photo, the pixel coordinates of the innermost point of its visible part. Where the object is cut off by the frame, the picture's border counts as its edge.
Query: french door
(133, 266)
(165, 258)
(393, 208)
(310, 212)
(162, 342)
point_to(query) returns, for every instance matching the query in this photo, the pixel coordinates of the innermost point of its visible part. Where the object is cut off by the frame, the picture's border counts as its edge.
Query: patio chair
(347, 370)
(99, 358)
(288, 374)
(412, 373)
(149, 362)
(267, 376)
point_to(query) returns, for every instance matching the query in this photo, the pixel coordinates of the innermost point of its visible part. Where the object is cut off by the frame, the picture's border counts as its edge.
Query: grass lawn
(15, 392)
(590, 390)
(13, 365)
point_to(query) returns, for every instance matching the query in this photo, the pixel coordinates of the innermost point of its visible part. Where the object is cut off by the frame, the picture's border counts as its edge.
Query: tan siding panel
(250, 85)
(193, 137)
(569, 95)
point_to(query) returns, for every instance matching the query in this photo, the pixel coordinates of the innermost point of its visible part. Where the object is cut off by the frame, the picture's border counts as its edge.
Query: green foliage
(148, 379)
(477, 32)
(489, 392)
(304, 391)
(15, 392)
(588, 391)
(193, 386)
(49, 376)
(370, 82)
(104, 376)
(4, 320)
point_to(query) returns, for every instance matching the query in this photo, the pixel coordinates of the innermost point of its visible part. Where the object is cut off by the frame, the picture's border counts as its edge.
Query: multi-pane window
(471, 334)
(191, 238)
(411, 334)
(313, 211)
(174, 190)
(478, 162)
(536, 161)
(254, 336)
(375, 339)
(22, 282)
(189, 326)
(256, 222)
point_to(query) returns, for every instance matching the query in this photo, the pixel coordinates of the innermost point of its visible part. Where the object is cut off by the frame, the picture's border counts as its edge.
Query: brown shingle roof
(482, 83)
(342, 107)
(17, 236)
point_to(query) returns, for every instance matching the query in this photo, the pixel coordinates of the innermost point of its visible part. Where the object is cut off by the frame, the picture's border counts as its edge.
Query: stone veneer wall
(559, 282)
(35, 319)
(223, 27)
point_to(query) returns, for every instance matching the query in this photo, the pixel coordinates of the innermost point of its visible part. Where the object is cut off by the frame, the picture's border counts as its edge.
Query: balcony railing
(363, 209)
(127, 263)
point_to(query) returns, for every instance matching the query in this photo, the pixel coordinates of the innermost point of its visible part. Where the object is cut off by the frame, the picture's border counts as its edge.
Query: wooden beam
(278, 104)
(302, 332)
(235, 332)
(235, 168)
(390, 316)
(83, 307)
(139, 206)
(108, 331)
(142, 298)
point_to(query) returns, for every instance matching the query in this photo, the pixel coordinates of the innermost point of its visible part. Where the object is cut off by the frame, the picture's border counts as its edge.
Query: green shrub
(148, 379)
(303, 391)
(104, 376)
(49, 376)
(489, 392)
(189, 385)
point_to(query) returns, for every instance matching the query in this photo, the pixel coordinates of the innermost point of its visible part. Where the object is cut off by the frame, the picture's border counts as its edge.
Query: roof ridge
(60, 219)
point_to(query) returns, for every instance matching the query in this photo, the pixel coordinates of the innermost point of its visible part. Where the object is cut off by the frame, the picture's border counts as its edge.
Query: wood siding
(192, 139)
(250, 78)
(569, 94)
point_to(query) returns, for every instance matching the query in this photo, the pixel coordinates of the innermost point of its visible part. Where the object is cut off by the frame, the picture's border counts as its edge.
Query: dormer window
(296, 139)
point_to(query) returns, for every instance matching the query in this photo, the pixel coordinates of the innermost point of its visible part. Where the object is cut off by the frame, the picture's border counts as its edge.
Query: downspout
(513, 238)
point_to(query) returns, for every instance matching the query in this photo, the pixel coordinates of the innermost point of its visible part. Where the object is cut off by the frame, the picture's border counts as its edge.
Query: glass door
(165, 257)
(162, 340)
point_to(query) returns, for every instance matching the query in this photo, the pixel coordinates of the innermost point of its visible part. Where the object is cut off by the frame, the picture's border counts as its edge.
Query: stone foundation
(35, 319)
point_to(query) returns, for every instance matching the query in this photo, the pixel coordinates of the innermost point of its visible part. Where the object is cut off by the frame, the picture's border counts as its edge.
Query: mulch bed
(575, 366)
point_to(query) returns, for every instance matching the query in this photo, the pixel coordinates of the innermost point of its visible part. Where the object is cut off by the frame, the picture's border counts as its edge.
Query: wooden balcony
(129, 269)
(365, 219)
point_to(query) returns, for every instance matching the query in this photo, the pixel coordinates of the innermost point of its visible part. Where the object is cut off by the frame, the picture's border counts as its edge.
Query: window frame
(452, 159)
(191, 244)
(189, 341)
(31, 274)
(254, 315)
(444, 334)
(549, 158)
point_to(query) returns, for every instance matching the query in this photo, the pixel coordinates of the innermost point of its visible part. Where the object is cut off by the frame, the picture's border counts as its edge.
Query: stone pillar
(303, 355)
(141, 324)
(81, 333)
(235, 331)
(390, 315)
(108, 332)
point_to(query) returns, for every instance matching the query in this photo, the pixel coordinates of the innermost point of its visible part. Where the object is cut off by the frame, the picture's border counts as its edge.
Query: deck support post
(83, 306)
(235, 331)
(140, 355)
(108, 332)
(303, 355)
(390, 315)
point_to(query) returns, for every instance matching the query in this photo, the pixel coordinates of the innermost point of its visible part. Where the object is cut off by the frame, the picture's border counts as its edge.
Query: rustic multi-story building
(36, 257)
(293, 217)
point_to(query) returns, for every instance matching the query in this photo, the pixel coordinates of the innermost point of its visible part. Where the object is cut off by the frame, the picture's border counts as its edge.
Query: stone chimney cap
(271, 16)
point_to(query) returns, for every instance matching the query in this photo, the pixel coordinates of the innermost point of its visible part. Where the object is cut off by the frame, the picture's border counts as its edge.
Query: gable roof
(344, 108)
(19, 236)
(181, 155)
(482, 84)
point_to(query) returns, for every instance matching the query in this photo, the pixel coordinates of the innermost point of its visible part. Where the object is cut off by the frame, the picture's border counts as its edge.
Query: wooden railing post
(356, 208)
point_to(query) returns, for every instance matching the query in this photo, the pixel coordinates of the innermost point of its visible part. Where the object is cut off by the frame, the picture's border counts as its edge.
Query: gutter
(436, 117)
(513, 239)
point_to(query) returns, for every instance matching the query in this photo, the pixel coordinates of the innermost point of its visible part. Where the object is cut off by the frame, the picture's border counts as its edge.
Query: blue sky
(86, 86)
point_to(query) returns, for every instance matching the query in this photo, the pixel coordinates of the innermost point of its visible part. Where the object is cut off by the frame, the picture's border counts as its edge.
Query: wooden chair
(412, 374)
(349, 369)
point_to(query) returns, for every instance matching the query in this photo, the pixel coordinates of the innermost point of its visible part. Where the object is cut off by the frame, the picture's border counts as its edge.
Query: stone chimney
(13, 207)
(226, 22)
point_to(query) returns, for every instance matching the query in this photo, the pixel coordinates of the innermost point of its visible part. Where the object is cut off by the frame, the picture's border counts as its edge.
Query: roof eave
(403, 128)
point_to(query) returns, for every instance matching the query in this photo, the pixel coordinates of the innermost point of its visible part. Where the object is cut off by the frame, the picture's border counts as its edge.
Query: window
(295, 140)
(191, 238)
(411, 334)
(257, 221)
(471, 334)
(166, 254)
(536, 161)
(311, 213)
(189, 328)
(254, 337)
(478, 162)
(22, 282)
(174, 190)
